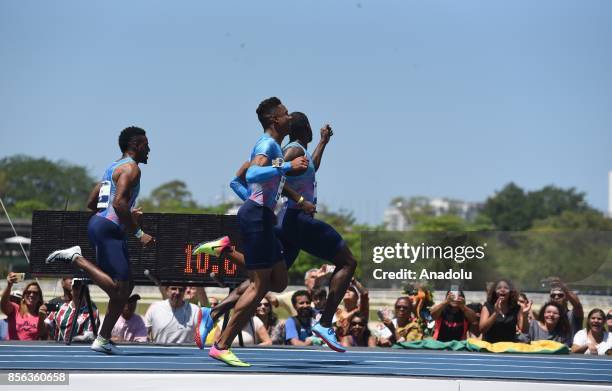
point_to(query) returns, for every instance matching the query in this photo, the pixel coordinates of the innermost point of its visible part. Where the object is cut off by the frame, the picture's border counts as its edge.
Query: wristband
(300, 202)
(286, 167)
(139, 233)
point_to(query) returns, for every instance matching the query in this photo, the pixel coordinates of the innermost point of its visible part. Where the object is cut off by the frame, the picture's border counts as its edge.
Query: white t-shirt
(248, 334)
(170, 325)
(581, 339)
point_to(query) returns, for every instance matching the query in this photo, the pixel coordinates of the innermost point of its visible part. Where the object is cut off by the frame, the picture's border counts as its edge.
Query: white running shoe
(104, 345)
(66, 255)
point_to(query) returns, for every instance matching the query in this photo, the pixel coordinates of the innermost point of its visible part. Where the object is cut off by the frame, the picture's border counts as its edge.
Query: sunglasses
(557, 295)
(609, 316)
(31, 293)
(402, 307)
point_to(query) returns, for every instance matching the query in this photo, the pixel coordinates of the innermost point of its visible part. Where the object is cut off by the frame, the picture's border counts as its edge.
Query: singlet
(305, 183)
(108, 190)
(268, 192)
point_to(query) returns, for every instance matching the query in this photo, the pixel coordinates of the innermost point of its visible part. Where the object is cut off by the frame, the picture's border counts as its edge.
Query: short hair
(265, 110)
(299, 125)
(476, 307)
(319, 294)
(309, 271)
(127, 135)
(296, 294)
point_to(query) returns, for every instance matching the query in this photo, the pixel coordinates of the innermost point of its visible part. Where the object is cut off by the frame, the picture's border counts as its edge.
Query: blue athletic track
(286, 360)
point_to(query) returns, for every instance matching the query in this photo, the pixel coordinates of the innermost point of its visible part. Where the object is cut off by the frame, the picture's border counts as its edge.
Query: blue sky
(435, 98)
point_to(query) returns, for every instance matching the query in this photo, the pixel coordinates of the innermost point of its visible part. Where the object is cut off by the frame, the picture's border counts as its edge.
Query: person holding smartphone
(25, 320)
(452, 317)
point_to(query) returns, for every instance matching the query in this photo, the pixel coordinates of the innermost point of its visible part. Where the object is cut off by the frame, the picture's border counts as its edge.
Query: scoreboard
(169, 260)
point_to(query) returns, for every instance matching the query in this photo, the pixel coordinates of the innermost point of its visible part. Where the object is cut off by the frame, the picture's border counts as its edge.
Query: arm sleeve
(240, 188)
(290, 330)
(256, 174)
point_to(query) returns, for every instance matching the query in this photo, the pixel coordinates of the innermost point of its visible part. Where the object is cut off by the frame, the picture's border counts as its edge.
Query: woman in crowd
(404, 327)
(25, 320)
(502, 313)
(552, 324)
(593, 339)
(453, 318)
(356, 299)
(359, 333)
(270, 321)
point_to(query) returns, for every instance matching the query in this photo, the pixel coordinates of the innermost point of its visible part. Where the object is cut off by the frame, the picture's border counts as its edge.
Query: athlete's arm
(291, 154)
(307, 206)
(239, 183)
(260, 171)
(92, 200)
(128, 174)
(317, 155)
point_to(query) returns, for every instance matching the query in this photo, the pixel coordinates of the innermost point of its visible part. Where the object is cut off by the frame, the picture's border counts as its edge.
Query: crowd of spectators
(505, 316)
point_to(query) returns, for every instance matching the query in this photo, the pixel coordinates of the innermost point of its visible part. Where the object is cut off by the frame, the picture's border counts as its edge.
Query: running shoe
(103, 345)
(66, 255)
(227, 357)
(214, 247)
(203, 326)
(328, 335)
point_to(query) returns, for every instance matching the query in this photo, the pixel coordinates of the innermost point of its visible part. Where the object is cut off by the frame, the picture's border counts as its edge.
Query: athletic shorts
(110, 243)
(262, 249)
(300, 231)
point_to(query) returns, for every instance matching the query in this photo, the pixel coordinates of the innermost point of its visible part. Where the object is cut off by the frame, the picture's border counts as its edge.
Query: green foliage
(512, 209)
(27, 183)
(175, 197)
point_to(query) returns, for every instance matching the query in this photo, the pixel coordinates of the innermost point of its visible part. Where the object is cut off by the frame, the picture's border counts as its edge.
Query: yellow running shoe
(227, 357)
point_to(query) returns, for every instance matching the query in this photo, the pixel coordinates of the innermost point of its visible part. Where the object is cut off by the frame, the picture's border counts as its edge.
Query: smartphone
(20, 277)
(454, 290)
(381, 314)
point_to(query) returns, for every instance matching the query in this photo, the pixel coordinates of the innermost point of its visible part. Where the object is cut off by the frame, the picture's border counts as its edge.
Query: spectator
(4, 334)
(359, 333)
(56, 302)
(609, 321)
(319, 299)
(404, 327)
(501, 313)
(266, 314)
(474, 329)
(196, 295)
(560, 293)
(594, 339)
(130, 326)
(298, 330)
(60, 323)
(254, 332)
(523, 300)
(171, 320)
(452, 318)
(26, 319)
(552, 324)
(356, 299)
(213, 301)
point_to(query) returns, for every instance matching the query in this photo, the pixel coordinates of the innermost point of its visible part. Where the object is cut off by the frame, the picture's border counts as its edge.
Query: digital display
(170, 261)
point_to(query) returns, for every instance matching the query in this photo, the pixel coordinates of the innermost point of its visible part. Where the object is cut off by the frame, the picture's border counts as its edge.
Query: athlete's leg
(245, 306)
(115, 307)
(230, 301)
(339, 283)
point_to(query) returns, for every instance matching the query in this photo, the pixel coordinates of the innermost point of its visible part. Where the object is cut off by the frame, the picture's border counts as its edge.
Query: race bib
(104, 195)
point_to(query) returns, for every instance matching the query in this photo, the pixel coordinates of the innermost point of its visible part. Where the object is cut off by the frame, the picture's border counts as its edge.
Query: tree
(28, 183)
(511, 209)
(175, 197)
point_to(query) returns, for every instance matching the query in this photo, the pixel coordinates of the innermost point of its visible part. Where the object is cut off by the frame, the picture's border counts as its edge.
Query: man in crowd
(171, 320)
(130, 326)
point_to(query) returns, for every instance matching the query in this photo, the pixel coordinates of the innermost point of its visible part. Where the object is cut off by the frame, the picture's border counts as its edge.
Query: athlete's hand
(326, 133)
(299, 164)
(309, 208)
(137, 216)
(147, 240)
